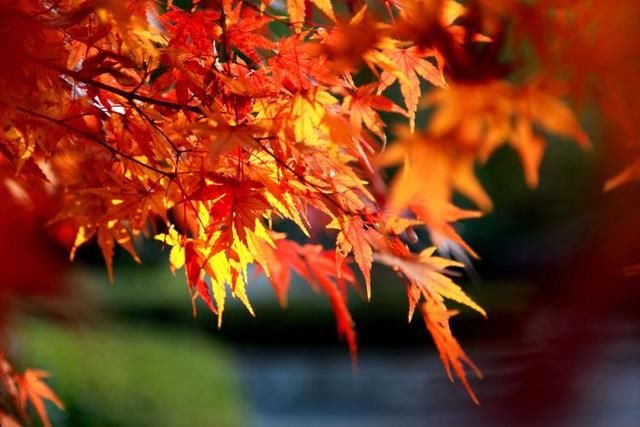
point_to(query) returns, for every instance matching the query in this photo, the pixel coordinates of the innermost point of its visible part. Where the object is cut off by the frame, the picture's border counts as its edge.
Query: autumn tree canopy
(206, 124)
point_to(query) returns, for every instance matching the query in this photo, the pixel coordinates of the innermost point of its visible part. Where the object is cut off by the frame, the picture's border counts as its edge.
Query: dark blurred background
(561, 346)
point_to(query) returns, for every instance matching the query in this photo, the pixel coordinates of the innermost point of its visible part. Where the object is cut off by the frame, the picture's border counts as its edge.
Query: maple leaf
(436, 318)
(427, 277)
(362, 106)
(353, 237)
(429, 190)
(223, 268)
(318, 267)
(233, 206)
(427, 273)
(276, 269)
(307, 113)
(326, 7)
(177, 253)
(441, 229)
(121, 208)
(484, 117)
(108, 235)
(7, 420)
(297, 13)
(32, 389)
(445, 28)
(241, 31)
(230, 237)
(223, 135)
(411, 63)
(196, 29)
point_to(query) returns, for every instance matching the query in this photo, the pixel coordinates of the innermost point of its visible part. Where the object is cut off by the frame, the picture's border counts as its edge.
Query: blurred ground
(117, 375)
(408, 388)
(131, 354)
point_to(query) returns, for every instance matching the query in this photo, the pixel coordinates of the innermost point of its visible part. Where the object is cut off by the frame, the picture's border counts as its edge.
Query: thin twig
(131, 96)
(92, 138)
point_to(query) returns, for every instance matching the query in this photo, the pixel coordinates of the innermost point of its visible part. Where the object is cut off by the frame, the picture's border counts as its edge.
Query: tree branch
(131, 96)
(92, 138)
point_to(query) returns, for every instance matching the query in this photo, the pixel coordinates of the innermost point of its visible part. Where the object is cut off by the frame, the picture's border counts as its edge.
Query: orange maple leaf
(436, 318)
(411, 63)
(32, 389)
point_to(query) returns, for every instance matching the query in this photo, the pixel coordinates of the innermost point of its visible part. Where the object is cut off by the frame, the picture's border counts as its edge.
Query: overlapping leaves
(206, 126)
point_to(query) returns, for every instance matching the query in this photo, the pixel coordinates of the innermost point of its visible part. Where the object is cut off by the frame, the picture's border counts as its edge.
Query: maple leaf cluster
(204, 126)
(18, 391)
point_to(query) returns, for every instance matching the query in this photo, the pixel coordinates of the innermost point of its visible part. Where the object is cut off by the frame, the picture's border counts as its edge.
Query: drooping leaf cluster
(204, 126)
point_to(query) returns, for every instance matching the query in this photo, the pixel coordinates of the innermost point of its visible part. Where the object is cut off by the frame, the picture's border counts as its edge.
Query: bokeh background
(561, 346)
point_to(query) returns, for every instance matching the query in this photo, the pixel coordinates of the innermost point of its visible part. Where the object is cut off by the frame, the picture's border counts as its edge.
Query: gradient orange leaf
(436, 318)
(297, 13)
(320, 268)
(353, 237)
(429, 274)
(411, 63)
(326, 7)
(32, 389)
(363, 105)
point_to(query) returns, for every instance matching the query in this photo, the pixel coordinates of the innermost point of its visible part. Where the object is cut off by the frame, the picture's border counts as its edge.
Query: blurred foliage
(112, 375)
